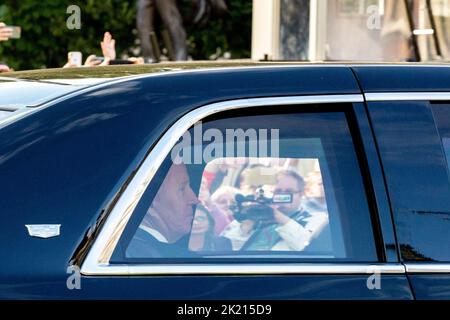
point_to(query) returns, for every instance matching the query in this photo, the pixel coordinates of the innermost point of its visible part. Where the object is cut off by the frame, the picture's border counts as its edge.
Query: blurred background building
(296, 30)
(364, 30)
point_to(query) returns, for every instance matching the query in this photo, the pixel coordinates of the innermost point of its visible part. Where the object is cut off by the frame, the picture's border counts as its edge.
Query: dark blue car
(258, 182)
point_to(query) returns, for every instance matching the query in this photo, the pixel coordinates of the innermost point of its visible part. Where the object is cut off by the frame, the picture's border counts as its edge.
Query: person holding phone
(5, 32)
(108, 46)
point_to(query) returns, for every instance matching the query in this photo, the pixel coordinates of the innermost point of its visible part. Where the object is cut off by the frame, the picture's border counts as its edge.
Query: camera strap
(274, 237)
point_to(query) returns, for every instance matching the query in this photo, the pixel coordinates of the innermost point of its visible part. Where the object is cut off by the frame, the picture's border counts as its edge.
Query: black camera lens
(255, 209)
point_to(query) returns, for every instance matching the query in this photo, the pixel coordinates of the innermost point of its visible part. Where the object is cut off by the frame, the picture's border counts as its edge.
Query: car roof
(344, 77)
(403, 78)
(129, 70)
(19, 96)
(373, 77)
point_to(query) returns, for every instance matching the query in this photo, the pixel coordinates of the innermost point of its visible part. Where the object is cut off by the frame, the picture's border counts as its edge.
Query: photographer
(290, 228)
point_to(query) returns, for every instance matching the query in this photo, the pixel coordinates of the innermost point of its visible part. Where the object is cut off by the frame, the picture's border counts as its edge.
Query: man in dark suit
(164, 230)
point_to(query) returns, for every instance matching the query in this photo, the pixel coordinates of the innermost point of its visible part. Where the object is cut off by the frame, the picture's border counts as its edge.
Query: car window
(284, 186)
(416, 168)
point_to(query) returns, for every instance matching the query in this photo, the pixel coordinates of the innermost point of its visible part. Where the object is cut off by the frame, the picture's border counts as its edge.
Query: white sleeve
(298, 237)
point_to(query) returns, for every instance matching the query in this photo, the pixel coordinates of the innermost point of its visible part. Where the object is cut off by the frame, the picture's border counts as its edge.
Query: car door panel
(417, 179)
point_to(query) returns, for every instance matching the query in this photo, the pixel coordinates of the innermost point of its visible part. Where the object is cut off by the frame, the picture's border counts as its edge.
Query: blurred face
(201, 222)
(314, 186)
(247, 189)
(225, 201)
(287, 184)
(174, 202)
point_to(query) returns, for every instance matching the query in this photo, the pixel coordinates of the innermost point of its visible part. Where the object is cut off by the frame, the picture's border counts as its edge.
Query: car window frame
(97, 259)
(429, 97)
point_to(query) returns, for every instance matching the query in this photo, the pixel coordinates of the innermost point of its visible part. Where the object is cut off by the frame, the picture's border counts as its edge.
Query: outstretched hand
(91, 61)
(108, 46)
(5, 33)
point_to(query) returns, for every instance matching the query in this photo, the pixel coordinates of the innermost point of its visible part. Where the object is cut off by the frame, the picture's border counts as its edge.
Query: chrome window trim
(427, 267)
(97, 259)
(407, 96)
(243, 269)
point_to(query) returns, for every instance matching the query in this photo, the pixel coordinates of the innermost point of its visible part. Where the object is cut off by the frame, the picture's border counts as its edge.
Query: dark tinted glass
(417, 175)
(300, 197)
(442, 117)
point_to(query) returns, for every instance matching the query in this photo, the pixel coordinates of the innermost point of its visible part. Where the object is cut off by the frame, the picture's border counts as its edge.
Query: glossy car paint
(64, 165)
(403, 78)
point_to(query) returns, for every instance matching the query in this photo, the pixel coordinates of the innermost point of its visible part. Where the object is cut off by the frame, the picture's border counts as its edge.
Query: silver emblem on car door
(43, 230)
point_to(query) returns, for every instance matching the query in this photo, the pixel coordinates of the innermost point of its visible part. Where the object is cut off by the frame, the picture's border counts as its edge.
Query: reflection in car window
(256, 186)
(416, 174)
(262, 204)
(446, 144)
(442, 117)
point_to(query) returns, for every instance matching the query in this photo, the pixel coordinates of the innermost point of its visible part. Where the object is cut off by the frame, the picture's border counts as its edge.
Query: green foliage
(231, 34)
(46, 39)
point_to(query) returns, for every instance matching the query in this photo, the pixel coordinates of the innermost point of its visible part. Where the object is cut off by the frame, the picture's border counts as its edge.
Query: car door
(413, 141)
(323, 147)
(408, 109)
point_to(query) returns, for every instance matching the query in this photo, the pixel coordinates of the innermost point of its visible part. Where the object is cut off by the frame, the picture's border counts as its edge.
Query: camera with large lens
(258, 207)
